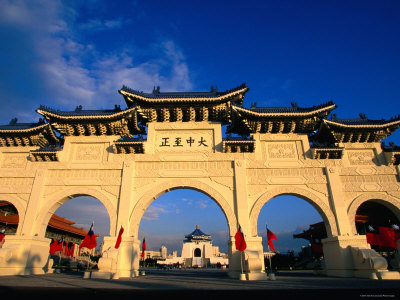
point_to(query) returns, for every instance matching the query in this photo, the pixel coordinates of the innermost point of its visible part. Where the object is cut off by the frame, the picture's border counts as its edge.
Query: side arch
(323, 209)
(151, 194)
(19, 204)
(55, 200)
(390, 202)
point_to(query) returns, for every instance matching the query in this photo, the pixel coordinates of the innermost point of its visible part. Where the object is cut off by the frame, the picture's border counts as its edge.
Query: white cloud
(75, 72)
(153, 212)
(99, 25)
(202, 203)
(187, 201)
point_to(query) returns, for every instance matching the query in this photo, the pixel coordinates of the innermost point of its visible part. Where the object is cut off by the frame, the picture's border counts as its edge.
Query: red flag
(119, 238)
(240, 242)
(56, 246)
(372, 234)
(71, 249)
(316, 246)
(386, 235)
(2, 235)
(271, 236)
(143, 247)
(52, 245)
(66, 249)
(90, 240)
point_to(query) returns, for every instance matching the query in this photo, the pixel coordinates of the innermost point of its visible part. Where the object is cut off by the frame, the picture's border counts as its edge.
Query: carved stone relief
(84, 177)
(12, 185)
(286, 176)
(185, 168)
(361, 157)
(14, 161)
(89, 152)
(282, 150)
(357, 183)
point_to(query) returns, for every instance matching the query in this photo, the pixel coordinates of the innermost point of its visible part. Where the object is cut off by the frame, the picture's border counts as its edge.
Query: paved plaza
(212, 282)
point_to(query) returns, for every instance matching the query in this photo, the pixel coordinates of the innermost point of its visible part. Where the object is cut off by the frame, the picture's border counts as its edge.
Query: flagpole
(269, 250)
(241, 262)
(269, 258)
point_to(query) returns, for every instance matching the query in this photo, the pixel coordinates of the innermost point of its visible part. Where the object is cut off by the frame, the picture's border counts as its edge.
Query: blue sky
(68, 53)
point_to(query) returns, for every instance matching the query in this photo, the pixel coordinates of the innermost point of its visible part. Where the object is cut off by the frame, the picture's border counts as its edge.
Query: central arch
(315, 201)
(152, 194)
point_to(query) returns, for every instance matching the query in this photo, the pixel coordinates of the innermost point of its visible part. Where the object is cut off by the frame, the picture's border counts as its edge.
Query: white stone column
(27, 253)
(251, 261)
(122, 262)
(337, 202)
(337, 253)
(29, 227)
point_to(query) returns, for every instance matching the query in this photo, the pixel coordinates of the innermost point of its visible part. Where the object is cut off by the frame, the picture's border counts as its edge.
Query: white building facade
(198, 252)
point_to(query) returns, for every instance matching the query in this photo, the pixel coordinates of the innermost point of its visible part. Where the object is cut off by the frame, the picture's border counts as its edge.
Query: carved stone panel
(286, 176)
(361, 157)
(282, 150)
(14, 161)
(183, 169)
(93, 152)
(16, 185)
(84, 177)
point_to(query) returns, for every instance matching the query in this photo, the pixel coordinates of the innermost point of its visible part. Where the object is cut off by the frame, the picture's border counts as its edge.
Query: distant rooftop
(197, 235)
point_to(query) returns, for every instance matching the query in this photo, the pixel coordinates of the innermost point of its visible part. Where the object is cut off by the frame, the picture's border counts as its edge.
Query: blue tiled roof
(81, 112)
(363, 120)
(14, 125)
(197, 233)
(157, 94)
(294, 108)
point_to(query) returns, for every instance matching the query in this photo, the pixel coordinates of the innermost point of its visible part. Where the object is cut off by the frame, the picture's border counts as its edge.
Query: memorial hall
(241, 157)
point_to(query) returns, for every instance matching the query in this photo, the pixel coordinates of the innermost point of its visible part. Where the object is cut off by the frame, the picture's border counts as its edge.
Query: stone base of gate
(121, 262)
(249, 262)
(21, 255)
(352, 256)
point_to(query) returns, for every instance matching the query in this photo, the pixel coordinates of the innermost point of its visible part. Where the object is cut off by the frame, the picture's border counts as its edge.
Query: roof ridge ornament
(156, 90)
(214, 89)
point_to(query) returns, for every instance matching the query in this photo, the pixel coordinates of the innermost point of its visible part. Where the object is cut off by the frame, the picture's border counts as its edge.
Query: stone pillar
(125, 198)
(337, 253)
(337, 202)
(29, 226)
(338, 257)
(251, 261)
(122, 262)
(24, 255)
(27, 253)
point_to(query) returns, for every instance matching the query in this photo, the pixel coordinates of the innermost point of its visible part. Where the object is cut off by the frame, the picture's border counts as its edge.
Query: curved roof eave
(311, 112)
(147, 97)
(48, 114)
(361, 126)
